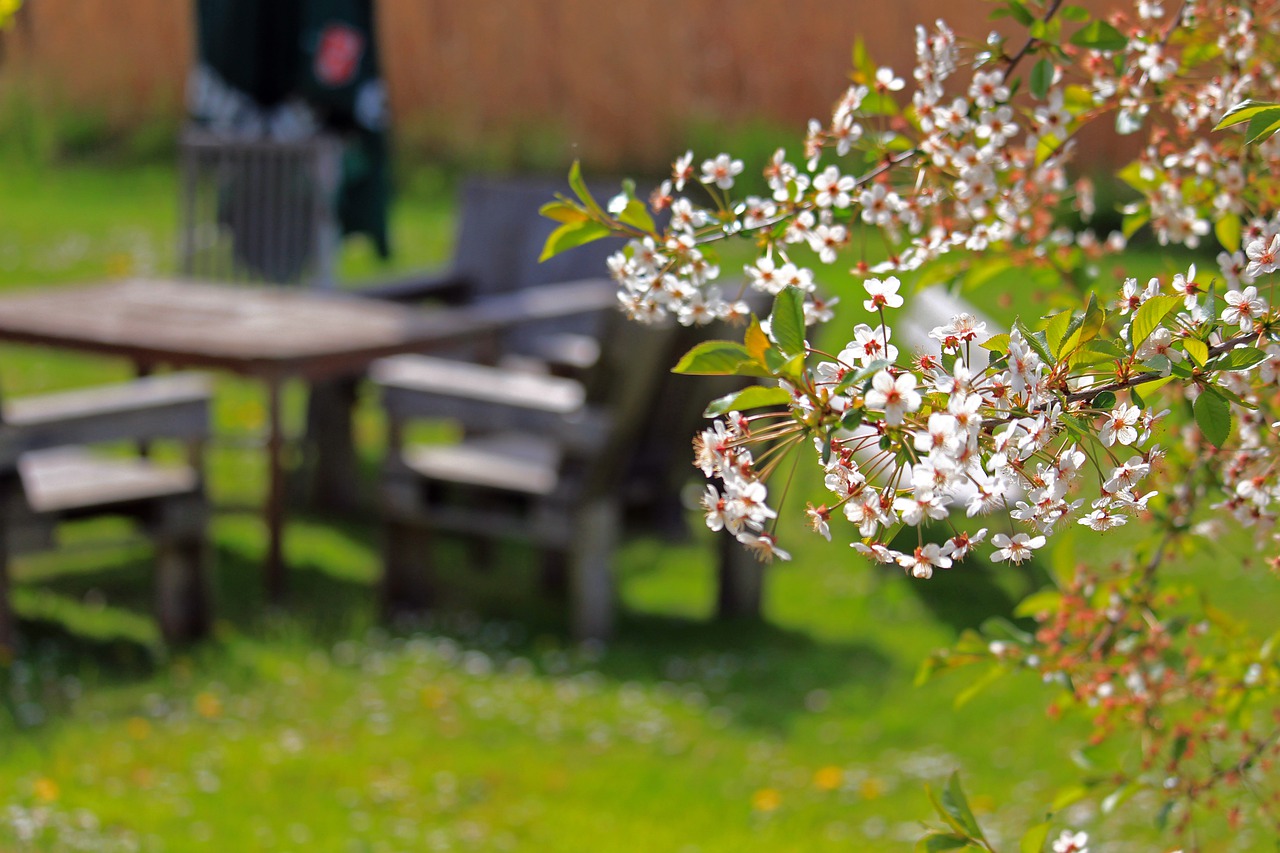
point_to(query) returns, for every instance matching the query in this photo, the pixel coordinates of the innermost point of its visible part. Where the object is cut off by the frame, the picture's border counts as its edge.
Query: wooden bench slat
(150, 392)
(519, 463)
(463, 380)
(72, 478)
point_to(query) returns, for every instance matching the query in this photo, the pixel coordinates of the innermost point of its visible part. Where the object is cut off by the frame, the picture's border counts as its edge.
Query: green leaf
(1197, 350)
(1075, 13)
(1021, 13)
(1162, 816)
(1105, 400)
(1041, 78)
(866, 372)
(1104, 347)
(937, 842)
(715, 358)
(1150, 315)
(637, 215)
(1240, 358)
(1084, 328)
(1069, 797)
(1034, 838)
(996, 343)
(1044, 601)
(786, 323)
(957, 805)
(562, 211)
(1000, 628)
(579, 187)
(982, 682)
(1036, 340)
(1099, 35)
(755, 397)
(1228, 231)
(1242, 112)
(1213, 416)
(1262, 126)
(1133, 221)
(1118, 797)
(984, 270)
(1056, 329)
(571, 235)
(853, 418)
(756, 341)
(1155, 385)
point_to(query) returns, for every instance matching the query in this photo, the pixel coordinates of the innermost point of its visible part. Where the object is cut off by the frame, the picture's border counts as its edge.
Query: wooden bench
(47, 475)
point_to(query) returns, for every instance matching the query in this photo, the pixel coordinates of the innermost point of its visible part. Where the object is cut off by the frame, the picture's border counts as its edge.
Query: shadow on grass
(764, 675)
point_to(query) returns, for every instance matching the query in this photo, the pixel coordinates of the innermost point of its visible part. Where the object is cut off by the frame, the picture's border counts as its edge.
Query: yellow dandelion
(138, 728)
(828, 778)
(871, 788)
(208, 705)
(434, 697)
(766, 800)
(45, 789)
(119, 264)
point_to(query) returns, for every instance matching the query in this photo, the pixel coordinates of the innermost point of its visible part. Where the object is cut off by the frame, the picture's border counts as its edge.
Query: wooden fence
(618, 83)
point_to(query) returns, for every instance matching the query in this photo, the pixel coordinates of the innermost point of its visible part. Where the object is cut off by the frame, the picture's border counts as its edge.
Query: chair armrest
(416, 386)
(449, 287)
(547, 302)
(167, 406)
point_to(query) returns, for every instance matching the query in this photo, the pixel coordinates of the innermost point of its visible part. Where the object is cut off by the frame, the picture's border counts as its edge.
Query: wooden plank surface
(260, 331)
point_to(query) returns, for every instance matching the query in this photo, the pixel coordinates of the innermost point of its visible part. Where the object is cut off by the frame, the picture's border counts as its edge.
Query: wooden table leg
(333, 484)
(274, 568)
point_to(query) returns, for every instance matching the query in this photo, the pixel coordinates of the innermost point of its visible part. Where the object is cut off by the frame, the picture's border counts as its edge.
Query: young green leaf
(1150, 315)
(1213, 416)
(786, 323)
(579, 187)
(1262, 126)
(637, 215)
(756, 341)
(1041, 78)
(754, 397)
(939, 842)
(1104, 400)
(1034, 838)
(1197, 350)
(1099, 35)
(718, 358)
(562, 211)
(1240, 358)
(1056, 329)
(570, 235)
(1228, 231)
(957, 805)
(996, 343)
(1242, 112)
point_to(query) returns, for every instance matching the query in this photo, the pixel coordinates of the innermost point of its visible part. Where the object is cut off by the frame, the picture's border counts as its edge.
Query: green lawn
(480, 728)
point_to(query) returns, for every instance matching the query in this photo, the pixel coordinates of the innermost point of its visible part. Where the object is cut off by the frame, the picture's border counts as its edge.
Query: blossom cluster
(906, 441)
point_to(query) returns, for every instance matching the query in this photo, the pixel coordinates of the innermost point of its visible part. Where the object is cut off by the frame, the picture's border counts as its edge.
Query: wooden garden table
(269, 334)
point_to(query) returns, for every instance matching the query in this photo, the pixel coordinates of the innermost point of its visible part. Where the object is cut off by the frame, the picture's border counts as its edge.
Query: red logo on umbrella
(338, 54)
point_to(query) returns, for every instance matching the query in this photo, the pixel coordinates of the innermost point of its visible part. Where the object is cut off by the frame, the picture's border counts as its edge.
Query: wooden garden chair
(48, 475)
(542, 461)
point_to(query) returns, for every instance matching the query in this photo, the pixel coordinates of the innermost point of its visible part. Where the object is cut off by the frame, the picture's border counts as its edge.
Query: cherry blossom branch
(1090, 394)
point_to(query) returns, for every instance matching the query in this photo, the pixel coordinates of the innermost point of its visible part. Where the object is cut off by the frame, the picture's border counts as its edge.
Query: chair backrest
(500, 238)
(258, 210)
(625, 384)
(501, 234)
